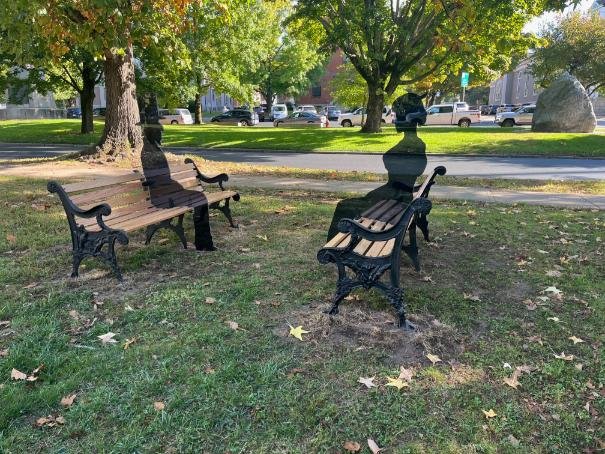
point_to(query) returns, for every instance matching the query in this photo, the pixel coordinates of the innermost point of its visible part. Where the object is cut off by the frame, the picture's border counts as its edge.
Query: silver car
(521, 116)
(302, 119)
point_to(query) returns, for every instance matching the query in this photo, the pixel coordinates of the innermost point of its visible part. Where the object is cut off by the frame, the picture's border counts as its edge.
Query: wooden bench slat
(104, 195)
(101, 183)
(379, 224)
(172, 168)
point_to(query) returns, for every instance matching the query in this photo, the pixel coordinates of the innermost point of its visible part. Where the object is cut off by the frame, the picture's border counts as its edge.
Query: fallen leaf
(397, 383)
(427, 279)
(74, 314)
(530, 305)
(209, 370)
(159, 406)
(579, 366)
(129, 342)
(373, 446)
(18, 375)
(469, 296)
(297, 332)
(536, 339)
(295, 371)
(565, 357)
(4, 353)
(553, 290)
(575, 340)
(262, 237)
(245, 249)
(368, 382)
(107, 338)
(489, 414)
(554, 319)
(351, 446)
(513, 380)
(553, 273)
(433, 358)
(406, 374)
(210, 300)
(233, 325)
(50, 421)
(68, 401)
(12, 239)
(34, 375)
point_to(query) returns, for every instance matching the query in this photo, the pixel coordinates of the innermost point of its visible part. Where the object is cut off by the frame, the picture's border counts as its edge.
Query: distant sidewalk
(559, 200)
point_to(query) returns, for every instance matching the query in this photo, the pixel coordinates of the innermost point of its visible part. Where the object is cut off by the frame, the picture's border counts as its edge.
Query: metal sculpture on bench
(367, 233)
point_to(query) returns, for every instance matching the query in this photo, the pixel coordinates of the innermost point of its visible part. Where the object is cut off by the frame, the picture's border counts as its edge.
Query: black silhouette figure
(165, 192)
(404, 163)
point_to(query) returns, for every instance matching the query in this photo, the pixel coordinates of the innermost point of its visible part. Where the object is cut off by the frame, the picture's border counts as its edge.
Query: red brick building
(319, 94)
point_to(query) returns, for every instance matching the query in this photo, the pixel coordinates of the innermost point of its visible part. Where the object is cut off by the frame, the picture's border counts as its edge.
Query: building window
(316, 91)
(525, 93)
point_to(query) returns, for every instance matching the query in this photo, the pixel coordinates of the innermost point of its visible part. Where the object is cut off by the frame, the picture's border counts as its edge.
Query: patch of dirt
(362, 328)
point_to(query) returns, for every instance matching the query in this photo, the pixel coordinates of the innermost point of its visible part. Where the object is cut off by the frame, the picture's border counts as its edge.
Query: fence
(30, 113)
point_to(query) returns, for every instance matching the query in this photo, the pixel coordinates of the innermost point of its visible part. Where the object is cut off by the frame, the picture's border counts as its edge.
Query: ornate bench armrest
(71, 209)
(220, 178)
(420, 206)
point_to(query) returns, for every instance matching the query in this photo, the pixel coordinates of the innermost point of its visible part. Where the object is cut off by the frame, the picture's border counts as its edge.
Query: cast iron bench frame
(91, 235)
(371, 246)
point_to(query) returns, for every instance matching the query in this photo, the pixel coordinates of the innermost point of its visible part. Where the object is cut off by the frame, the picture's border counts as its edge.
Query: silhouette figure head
(409, 112)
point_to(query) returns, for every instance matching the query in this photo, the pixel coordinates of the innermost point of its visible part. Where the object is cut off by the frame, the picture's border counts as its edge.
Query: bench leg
(412, 249)
(395, 296)
(344, 286)
(167, 224)
(226, 210)
(423, 224)
(92, 244)
(112, 259)
(203, 235)
(76, 260)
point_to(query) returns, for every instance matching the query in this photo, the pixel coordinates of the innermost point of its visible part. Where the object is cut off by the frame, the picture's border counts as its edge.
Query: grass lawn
(488, 141)
(179, 379)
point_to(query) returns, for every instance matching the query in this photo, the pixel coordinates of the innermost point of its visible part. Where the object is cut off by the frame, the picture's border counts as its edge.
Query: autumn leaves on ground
(230, 352)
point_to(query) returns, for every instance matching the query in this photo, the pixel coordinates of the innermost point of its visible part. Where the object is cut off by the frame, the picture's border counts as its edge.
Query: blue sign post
(464, 83)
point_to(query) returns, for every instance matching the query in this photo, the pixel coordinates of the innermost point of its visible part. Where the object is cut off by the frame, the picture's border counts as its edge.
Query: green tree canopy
(402, 42)
(577, 46)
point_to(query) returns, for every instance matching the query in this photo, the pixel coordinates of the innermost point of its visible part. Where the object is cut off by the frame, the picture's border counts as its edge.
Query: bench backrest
(139, 188)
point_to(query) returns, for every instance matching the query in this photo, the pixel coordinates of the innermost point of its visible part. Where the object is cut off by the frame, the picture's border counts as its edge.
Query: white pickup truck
(355, 118)
(452, 114)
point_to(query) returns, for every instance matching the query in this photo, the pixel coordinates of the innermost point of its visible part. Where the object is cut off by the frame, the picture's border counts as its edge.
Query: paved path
(475, 166)
(437, 192)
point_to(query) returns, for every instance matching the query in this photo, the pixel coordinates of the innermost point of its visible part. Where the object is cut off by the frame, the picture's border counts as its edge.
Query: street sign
(464, 80)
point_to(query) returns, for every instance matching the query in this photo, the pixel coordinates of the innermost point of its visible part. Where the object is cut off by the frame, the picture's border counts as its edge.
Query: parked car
(238, 117)
(74, 112)
(307, 108)
(521, 116)
(261, 112)
(486, 109)
(302, 119)
(332, 112)
(506, 108)
(278, 111)
(175, 117)
(449, 114)
(99, 111)
(355, 118)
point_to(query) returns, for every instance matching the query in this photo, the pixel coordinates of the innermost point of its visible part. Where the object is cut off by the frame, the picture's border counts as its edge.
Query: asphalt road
(488, 166)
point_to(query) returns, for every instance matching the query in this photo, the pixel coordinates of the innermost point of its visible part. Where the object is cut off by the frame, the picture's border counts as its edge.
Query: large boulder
(564, 107)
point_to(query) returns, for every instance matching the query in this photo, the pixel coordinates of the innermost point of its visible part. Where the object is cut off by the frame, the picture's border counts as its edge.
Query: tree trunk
(198, 109)
(374, 111)
(87, 97)
(122, 136)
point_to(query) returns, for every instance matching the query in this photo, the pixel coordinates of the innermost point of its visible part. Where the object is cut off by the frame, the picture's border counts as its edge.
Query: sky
(536, 25)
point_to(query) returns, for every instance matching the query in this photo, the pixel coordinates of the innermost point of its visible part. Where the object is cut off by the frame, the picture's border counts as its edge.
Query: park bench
(371, 246)
(101, 212)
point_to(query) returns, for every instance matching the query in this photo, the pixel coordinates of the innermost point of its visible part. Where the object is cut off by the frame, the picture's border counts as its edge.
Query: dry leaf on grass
(397, 383)
(12, 239)
(351, 446)
(367, 382)
(68, 401)
(513, 380)
(489, 414)
(209, 300)
(129, 342)
(373, 446)
(554, 319)
(513, 441)
(4, 353)
(565, 357)
(433, 358)
(471, 297)
(50, 421)
(553, 273)
(297, 332)
(233, 325)
(159, 406)
(575, 340)
(406, 374)
(107, 338)
(18, 375)
(262, 237)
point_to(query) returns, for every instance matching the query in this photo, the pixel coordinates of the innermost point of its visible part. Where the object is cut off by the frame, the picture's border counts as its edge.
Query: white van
(175, 117)
(278, 111)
